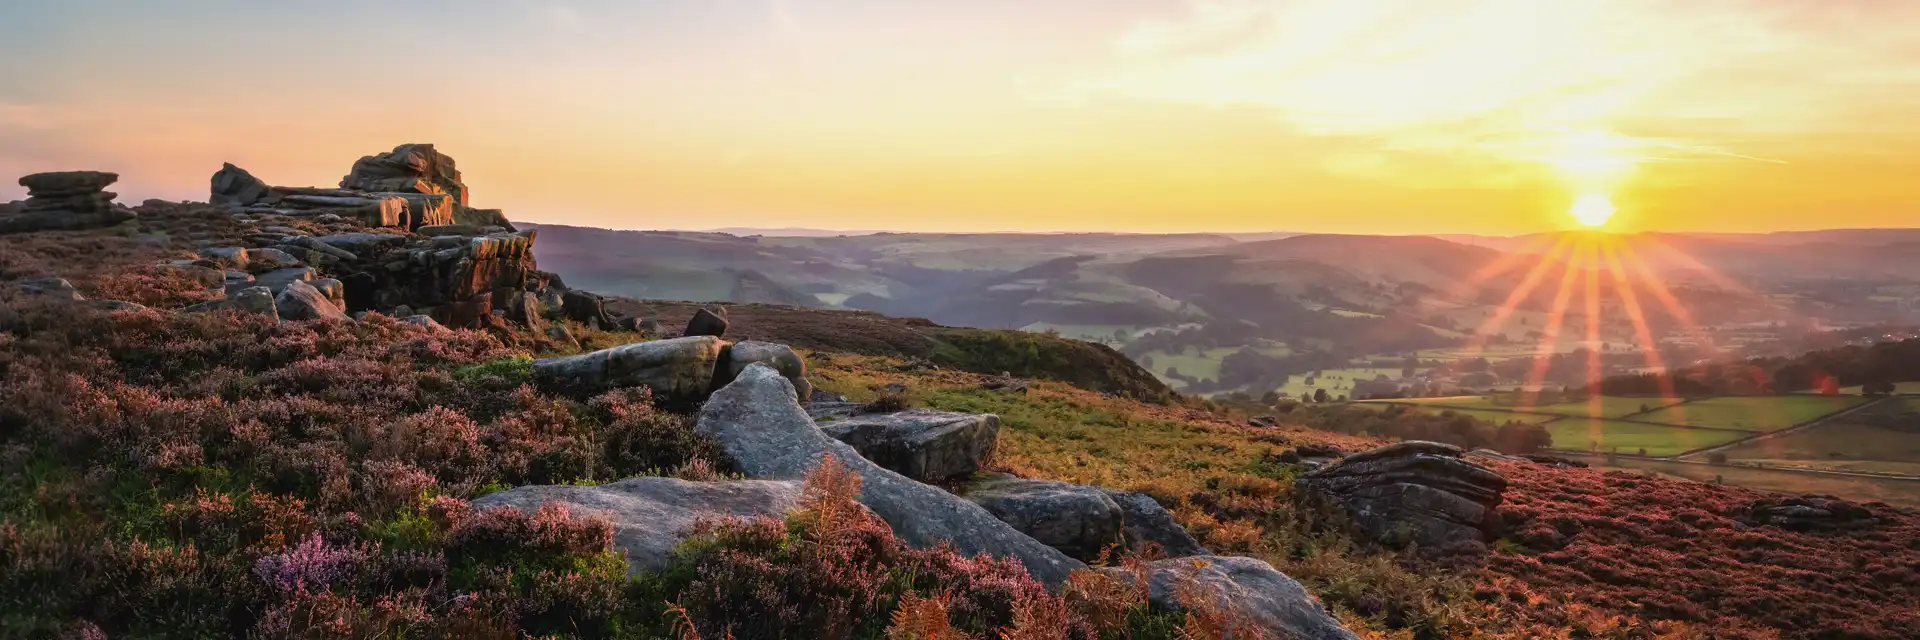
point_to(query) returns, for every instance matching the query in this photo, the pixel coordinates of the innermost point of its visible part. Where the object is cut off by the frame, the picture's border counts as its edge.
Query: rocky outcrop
(234, 186)
(1079, 520)
(677, 371)
(409, 168)
(66, 201)
(929, 446)
(1144, 523)
(761, 426)
(779, 356)
(651, 516)
(1258, 601)
(1420, 493)
(449, 277)
(707, 323)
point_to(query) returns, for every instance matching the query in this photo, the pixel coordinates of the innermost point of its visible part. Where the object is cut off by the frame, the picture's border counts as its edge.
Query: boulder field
(398, 237)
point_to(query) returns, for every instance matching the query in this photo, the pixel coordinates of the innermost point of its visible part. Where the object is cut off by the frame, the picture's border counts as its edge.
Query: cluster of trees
(1396, 421)
(1875, 368)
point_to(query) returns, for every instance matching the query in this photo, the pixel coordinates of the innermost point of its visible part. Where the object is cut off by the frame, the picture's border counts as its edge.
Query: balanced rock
(1079, 520)
(707, 323)
(1421, 493)
(929, 446)
(235, 187)
(768, 436)
(779, 356)
(409, 168)
(66, 201)
(678, 370)
(650, 516)
(1268, 603)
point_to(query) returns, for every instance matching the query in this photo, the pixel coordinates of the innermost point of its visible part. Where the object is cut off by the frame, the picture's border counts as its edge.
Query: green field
(1884, 438)
(1757, 413)
(1574, 434)
(1337, 382)
(1903, 493)
(1610, 407)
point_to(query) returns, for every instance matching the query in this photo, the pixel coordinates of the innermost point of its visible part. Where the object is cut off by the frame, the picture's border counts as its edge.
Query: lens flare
(1593, 209)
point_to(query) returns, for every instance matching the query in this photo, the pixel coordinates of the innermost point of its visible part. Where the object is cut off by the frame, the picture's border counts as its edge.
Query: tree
(1320, 395)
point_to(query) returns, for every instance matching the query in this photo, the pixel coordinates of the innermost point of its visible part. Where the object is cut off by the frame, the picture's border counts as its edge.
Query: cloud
(1524, 81)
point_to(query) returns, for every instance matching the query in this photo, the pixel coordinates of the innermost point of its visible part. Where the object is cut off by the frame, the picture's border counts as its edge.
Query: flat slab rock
(1251, 591)
(758, 421)
(926, 445)
(651, 516)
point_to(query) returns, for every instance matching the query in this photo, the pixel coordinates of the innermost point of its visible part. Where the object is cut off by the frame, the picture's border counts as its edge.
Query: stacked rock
(67, 200)
(409, 168)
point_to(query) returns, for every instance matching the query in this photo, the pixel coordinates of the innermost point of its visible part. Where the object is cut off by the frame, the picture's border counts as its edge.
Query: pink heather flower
(313, 564)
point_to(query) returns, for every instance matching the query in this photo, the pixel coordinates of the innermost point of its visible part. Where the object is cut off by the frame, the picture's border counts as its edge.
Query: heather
(219, 474)
(1582, 553)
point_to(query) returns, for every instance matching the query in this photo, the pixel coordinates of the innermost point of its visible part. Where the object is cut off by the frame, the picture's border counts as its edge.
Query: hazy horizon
(1474, 116)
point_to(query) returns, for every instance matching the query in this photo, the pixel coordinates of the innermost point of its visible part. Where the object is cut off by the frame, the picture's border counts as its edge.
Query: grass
(1900, 493)
(1337, 382)
(1610, 407)
(1884, 438)
(1757, 413)
(1574, 434)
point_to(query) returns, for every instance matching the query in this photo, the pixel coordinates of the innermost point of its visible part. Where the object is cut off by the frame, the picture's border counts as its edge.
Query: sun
(1593, 209)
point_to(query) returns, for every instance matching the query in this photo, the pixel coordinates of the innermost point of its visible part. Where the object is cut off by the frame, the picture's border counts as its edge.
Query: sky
(1355, 116)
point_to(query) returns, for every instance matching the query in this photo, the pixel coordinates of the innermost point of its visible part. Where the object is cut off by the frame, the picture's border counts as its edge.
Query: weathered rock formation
(1421, 493)
(64, 201)
(929, 446)
(234, 186)
(677, 371)
(760, 425)
(455, 279)
(409, 168)
(1258, 600)
(651, 516)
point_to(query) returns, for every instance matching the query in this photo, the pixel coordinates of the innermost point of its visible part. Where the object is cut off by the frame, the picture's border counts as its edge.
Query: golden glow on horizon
(1467, 116)
(1593, 209)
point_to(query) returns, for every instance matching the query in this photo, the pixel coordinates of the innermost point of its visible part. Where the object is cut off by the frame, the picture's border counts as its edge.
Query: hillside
(175, 461)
